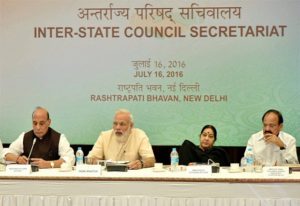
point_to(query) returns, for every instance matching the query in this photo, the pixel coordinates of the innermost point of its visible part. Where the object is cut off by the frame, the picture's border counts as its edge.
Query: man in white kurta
(124, 143)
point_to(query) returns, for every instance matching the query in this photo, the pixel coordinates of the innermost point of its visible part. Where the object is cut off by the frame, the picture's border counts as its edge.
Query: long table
(51, 187)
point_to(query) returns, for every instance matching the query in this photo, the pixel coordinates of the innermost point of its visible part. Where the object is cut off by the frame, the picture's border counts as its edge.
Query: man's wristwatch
(52, 164)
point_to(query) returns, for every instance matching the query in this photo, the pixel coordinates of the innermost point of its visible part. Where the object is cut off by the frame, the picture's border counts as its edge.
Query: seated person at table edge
(124, 143)
(1, 150)
(272, 145)
(189, 153)
(50, 148)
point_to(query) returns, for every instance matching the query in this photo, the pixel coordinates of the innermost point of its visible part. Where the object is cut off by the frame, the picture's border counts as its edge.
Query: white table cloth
(50, 187)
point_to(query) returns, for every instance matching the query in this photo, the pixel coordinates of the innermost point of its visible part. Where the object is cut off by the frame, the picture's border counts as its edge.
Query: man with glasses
(124, 143)
(272, 145)
(45, 147)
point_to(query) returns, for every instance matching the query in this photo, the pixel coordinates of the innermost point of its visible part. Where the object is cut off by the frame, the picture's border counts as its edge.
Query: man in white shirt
(1, 150)
(46, 147)
(272, 145)
(124, 143)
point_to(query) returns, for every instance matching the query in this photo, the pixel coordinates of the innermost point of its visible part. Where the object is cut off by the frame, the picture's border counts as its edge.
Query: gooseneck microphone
(33, 143)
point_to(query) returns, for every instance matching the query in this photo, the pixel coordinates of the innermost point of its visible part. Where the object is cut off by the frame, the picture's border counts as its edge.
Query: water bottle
(174, 160)
(243, 164)
(249, 159)
(79, 156)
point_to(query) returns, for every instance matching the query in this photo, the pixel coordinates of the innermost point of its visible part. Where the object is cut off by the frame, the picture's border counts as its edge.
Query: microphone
(215, 166)
(33, 143)
(210, 161)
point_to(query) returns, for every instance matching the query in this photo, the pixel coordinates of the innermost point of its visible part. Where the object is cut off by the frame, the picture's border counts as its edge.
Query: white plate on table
(159, 169)
(235, 170)
(65, 169)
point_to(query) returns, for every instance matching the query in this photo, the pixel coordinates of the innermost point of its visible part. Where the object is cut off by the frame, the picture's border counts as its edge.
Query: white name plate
(201, 170)
(89, 170)
(16, 169)
(276, 171)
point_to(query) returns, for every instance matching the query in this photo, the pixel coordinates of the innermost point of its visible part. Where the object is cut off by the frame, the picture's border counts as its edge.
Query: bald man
(271, 144)
(50, 148)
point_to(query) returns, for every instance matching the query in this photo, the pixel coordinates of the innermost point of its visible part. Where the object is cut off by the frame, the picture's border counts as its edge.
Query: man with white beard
(124, 143)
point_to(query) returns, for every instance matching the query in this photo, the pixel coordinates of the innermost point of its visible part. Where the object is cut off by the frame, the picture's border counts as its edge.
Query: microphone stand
(33, 143)
(34, 168)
